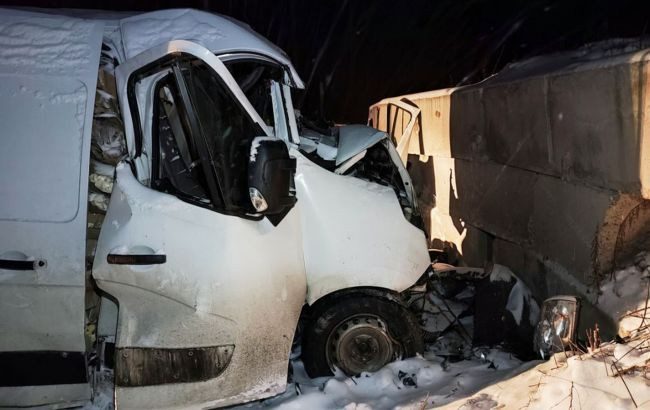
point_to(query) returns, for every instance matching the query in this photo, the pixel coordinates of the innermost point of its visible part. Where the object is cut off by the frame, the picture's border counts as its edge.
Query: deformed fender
(324, 301)
(355, 234)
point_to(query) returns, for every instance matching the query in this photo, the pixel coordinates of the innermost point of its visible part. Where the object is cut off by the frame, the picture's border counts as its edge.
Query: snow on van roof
(40, 44)
(139, 32)
(217, 33)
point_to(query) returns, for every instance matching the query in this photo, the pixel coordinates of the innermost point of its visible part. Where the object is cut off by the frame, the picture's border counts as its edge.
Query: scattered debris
(612, 374)
(108, 142)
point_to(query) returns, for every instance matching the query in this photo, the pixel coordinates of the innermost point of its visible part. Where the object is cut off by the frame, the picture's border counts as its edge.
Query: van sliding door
(46, 108)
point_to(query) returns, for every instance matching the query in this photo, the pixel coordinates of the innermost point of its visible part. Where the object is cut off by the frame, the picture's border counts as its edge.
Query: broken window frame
(196, 76)
(138, 67)
(164, 63)
(285, 124)
(239, 66)
(157, 181)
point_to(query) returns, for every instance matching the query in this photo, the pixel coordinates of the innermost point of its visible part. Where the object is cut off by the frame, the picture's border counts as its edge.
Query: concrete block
(594, 119)
(570, 223)
(514, 129)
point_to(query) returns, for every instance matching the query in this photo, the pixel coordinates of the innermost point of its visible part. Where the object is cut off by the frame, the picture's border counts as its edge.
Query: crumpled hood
(342, 144)
(356, 138)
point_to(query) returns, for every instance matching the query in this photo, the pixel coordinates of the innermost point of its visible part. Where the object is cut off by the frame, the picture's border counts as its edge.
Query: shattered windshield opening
(255, 79)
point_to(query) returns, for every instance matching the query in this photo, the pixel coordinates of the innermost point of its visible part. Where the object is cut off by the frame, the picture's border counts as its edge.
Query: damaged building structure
(543, 167)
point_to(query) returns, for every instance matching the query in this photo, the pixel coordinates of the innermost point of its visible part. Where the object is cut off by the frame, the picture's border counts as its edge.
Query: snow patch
(626, 292)
(146, 32)
(45, 45)
(419, 382)
(578, 381)
(256, 144)
(501, 273)
(593, 55)
(99, 200)
(628, 355)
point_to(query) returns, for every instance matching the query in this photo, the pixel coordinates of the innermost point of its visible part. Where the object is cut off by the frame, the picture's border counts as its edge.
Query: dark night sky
(353, 53)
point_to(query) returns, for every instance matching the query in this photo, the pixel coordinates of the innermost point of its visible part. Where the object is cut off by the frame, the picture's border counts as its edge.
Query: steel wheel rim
(361, 343)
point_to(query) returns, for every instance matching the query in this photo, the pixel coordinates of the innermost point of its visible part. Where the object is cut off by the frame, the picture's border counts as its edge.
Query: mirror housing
(270, 178)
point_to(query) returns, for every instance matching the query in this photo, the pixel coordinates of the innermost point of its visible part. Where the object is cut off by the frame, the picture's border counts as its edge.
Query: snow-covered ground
(611, 376)
(580, 381)
(414, 383)
(624, 297)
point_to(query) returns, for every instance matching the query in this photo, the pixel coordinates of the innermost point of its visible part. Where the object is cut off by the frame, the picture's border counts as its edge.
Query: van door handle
(10, 264)
(156, 259)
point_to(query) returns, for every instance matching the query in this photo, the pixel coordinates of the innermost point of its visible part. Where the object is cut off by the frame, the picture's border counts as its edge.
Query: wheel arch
(320, 304)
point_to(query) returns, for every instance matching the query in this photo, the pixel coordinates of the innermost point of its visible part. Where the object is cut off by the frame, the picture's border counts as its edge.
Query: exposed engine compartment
(376, 166)
(370, 157)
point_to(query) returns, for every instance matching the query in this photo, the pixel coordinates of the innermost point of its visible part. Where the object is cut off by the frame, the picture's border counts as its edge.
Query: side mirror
(270, 178)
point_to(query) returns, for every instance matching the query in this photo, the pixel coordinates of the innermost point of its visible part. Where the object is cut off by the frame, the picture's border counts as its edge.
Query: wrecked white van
(226, 222)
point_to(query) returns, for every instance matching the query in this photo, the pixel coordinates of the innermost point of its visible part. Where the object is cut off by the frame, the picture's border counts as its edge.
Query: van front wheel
(359, 333)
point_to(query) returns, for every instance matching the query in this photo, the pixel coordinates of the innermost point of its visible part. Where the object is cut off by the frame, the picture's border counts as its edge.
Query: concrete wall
(544, 167)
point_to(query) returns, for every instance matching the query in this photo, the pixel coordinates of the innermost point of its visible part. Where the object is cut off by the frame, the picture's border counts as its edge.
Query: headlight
(556, 329)
(259, 203)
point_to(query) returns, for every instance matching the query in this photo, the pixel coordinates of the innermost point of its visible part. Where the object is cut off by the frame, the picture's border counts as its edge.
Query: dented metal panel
(354, 233)
(354, 139)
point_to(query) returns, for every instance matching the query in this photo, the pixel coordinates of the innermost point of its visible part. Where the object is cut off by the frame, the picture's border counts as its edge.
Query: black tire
(400, 324)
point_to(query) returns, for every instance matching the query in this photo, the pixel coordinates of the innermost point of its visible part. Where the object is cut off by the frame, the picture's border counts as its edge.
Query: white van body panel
(355, 138)
(354, 234)
(221, 272)
(48, 73)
